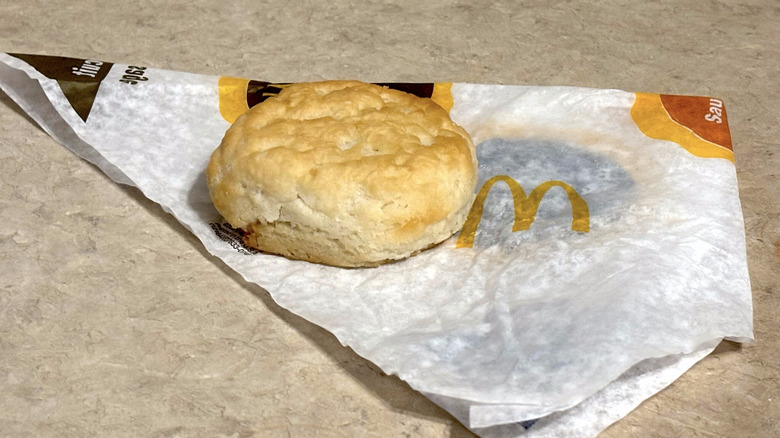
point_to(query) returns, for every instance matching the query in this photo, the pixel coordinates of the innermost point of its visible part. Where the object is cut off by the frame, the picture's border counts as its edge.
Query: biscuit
(344, 173)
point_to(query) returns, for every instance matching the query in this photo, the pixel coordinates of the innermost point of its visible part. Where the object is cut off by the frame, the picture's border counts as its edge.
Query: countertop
(114, 321)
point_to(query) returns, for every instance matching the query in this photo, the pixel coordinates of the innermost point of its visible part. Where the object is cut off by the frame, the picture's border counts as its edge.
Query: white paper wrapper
(574, 320)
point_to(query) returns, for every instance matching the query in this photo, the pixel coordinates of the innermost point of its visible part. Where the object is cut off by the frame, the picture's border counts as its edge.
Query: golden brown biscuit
(344, 173)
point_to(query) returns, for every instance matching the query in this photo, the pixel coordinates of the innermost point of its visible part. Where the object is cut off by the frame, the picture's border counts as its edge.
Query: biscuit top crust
(360, 156)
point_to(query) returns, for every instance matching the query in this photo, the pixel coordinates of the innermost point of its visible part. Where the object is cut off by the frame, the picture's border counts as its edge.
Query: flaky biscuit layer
(344, 173)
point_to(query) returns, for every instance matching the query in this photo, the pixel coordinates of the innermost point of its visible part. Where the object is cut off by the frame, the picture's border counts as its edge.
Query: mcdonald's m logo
(525, 208)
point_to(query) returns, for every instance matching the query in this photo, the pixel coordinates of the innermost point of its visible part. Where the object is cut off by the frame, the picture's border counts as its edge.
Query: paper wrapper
(607, 258)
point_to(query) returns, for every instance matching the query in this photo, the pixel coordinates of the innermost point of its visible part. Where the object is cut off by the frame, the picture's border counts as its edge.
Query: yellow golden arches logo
(525, 208)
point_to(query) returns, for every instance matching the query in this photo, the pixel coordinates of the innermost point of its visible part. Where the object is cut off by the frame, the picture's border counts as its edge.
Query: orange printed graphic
(232, 97)
(698, 124)
(525, 208)
(442, 95)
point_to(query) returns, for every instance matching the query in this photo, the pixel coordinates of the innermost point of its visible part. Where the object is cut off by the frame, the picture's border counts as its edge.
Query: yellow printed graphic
(442, 95)
(232, 97)
(525, 208)
(653, 119)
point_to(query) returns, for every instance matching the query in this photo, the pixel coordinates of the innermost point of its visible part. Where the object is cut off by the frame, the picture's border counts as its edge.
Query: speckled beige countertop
(115, 322)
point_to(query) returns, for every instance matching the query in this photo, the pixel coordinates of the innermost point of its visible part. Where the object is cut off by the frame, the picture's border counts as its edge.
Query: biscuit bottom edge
(285, 240)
